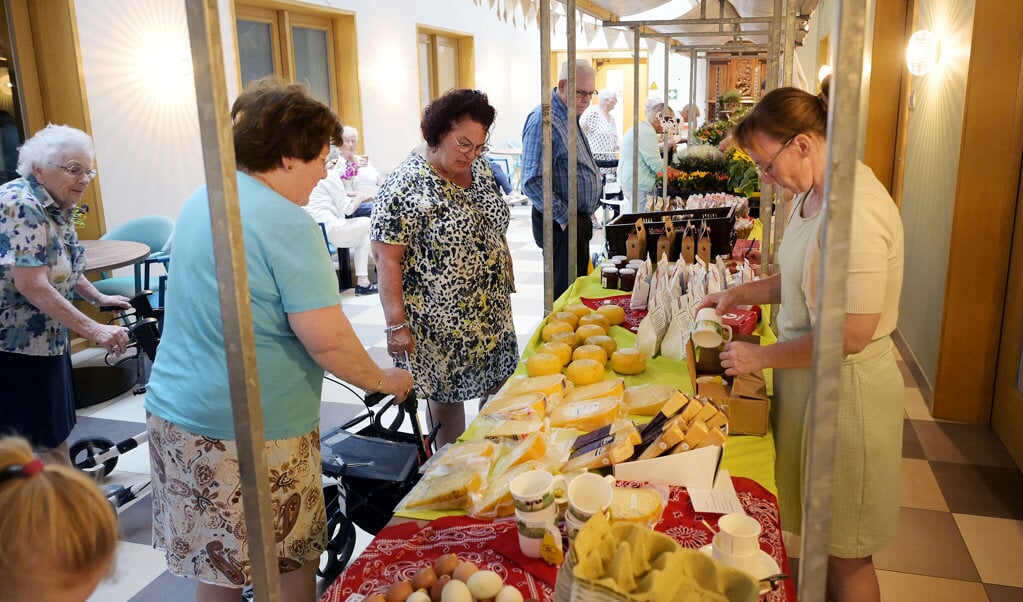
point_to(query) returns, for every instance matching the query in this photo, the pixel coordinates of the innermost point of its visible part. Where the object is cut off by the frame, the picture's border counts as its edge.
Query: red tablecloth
(399, 551)
(632, 316)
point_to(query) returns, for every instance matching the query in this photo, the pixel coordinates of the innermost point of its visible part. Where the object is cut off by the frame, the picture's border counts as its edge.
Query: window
(445, 62)
(313, 47)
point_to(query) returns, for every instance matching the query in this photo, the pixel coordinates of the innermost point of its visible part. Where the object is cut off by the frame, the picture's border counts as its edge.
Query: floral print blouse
(35, 232)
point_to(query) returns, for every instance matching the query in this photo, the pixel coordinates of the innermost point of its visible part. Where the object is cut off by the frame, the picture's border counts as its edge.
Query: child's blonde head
(55, 524)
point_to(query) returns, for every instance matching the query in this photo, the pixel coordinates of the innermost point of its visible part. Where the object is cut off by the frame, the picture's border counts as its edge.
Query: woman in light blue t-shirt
(281, 138)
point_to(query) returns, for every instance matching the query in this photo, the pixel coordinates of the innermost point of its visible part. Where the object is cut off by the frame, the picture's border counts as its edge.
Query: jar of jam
(609, 276)
(626, 279)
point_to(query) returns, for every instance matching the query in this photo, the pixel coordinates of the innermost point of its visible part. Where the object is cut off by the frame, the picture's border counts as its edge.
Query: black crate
(720, 221)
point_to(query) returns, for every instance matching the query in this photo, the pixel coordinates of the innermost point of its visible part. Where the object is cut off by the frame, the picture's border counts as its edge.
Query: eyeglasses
(466, 147)
(585, 93)
(76, 171)
(770, 164)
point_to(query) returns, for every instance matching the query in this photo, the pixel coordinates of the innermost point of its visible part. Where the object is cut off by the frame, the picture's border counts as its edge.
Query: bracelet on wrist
(380, 385)
(393, 329)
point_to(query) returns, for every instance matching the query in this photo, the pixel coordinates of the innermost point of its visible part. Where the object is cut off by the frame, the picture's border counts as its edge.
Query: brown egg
(424, 578)
(399, 591)
(464, 570)
(438, 587)
(376, 598)
(445, 565)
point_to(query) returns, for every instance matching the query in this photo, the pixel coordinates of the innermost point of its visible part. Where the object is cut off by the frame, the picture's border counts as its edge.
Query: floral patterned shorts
(197, 503)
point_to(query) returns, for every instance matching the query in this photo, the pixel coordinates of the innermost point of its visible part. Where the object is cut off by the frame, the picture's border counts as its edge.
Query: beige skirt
(197, 503)
(868, 450)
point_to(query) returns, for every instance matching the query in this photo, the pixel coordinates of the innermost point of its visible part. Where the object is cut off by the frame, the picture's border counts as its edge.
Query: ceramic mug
(534, 490)
(588, 494)
(531, 534)
(708, 331)
(743, 562)
(738, 535)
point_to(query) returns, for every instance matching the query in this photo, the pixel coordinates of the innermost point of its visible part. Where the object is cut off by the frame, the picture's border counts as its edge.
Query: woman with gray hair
(42, 265)
(598, 124)
(649, 159)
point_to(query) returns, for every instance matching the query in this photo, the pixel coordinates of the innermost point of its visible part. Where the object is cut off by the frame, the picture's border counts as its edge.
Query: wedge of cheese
(636, 505)
(445, 492)
(515, 429)
(612, 387)
(552, 386)
(692, 409)
(606, 455)
(586, 415)
(696, 433)
(715, 437)
(459, 455)
(709, 409)
(626, 433)
(495, 499)
(647, 400)
(718, 420)
(672, 435)
(531, 406)
(533, 447)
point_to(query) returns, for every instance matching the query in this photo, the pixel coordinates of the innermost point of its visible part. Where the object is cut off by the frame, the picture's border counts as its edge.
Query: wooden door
(1007, 410)
(617, 74)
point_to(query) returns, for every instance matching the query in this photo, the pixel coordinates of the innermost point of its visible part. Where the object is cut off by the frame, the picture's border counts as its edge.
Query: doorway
(617, 74)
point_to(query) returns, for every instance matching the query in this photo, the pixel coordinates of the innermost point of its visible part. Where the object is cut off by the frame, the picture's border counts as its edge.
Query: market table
(405, 546)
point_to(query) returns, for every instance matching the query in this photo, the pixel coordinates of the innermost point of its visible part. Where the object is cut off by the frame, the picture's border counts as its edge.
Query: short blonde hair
(55, 525)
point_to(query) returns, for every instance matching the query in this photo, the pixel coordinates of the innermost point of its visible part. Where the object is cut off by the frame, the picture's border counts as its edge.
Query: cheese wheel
(564, 316)
(552, 328)
(595, 318)
(585, 371)
(615, 314)
(578, 309)
(628, 360)
(559, 348)
(590, 352)
(541, 364)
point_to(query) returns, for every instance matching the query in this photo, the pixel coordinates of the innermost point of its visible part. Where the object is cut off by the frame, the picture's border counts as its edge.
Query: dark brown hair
(783, 113)
(441, 115)
(274, 119)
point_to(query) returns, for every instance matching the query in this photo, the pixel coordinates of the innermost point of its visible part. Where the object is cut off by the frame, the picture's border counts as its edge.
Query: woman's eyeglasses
(766, 169)
(466, 147)
(76, 171)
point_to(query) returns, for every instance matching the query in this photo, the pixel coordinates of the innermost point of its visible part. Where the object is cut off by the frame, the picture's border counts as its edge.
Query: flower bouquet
(713, 132)
(348, 175)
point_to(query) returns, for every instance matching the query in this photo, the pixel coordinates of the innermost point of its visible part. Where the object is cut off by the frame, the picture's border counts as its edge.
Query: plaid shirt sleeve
(589, 183)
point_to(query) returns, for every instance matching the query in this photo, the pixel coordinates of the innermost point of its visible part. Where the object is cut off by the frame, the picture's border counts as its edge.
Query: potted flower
(729, 99)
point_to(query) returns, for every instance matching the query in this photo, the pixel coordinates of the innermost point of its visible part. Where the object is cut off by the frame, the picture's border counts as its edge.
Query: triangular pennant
(590, 32)
(612, 35)
(630, 41)
(652, 44)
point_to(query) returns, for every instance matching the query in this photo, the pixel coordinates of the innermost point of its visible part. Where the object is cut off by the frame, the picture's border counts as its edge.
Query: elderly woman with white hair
(649, 159)
(42, 265)
(598, 124)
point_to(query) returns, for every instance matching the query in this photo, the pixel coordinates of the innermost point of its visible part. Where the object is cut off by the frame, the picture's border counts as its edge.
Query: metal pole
(829, 334)
(692, 96)
(664, 134)
(572, 130)
(635, 120)
(236, 312)
(546, 156)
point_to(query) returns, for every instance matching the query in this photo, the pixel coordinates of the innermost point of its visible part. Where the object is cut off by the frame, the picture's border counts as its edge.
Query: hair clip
(22, 470)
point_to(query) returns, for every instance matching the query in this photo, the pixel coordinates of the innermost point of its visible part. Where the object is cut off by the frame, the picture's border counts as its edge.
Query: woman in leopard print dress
(444, 269)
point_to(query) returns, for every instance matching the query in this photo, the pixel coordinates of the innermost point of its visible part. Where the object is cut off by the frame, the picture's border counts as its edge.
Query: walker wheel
(84, 451)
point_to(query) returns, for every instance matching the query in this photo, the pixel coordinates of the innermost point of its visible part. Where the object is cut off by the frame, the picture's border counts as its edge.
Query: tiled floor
(960, 530)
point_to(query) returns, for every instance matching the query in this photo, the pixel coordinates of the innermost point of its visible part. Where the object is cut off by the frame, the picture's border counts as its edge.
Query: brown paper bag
(703, 245)
(635, 244)
(688, 247)
(666, 242)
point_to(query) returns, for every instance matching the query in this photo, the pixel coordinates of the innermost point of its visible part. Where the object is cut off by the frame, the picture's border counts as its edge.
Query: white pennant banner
(612, 35)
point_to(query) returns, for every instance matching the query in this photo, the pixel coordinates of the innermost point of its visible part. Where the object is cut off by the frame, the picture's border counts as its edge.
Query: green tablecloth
(745, 455)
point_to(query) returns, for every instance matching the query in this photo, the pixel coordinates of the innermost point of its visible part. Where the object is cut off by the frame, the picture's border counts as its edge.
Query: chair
(156, 232)
(341, 258)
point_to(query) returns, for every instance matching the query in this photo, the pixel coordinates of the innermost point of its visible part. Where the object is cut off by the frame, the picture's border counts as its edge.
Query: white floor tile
(137, 565)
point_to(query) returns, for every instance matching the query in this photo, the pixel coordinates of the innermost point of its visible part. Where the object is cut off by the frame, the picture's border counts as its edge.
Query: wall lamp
(922, 52)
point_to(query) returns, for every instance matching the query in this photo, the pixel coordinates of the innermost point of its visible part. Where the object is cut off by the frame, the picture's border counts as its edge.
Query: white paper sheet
(694, 468)
(722, 499)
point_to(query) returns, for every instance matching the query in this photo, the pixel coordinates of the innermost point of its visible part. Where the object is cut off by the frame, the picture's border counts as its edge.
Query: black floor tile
(981, 490)
(977, 443)
(136, 522)
(911, 447)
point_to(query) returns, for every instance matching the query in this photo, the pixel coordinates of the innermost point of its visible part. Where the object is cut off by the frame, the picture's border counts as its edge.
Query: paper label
(584, 409)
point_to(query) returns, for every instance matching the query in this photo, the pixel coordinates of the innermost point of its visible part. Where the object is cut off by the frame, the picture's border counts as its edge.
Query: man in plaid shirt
(589, 182)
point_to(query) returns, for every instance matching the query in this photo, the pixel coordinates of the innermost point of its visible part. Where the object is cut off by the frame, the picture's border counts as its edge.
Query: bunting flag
(590, 32)
(612, 35)
(652, 44)
(630, 40)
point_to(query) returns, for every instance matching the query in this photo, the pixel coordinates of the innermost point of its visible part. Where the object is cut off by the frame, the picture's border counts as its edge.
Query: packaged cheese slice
(612, 387)
(671, 436)
(647, 400)
(478, 455)
(628, 433)
(551, 385)
(613, 453)
(515, 429)
(586, 415)
(495, 499)
(676, 403)
(533, 447)
(531, 406)
(641, 505)
(448, 491)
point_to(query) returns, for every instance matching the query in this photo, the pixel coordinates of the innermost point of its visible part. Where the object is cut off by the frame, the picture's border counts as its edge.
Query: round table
(103, 255)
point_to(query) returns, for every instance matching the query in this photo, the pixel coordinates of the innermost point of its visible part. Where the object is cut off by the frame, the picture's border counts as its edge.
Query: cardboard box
(742, 321)
(746, 402)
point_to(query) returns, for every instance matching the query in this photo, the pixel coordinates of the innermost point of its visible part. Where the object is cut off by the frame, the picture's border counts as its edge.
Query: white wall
(137, 70)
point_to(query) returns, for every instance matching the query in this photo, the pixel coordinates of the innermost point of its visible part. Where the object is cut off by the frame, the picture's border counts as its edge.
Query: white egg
(418, 596)
(484, 584)
(456, 591)
(509, 594)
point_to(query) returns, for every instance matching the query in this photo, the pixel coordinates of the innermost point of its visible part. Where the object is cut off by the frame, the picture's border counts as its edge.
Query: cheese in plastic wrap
(553, 387)
(531, 406)
(612, 387)
(588, 414)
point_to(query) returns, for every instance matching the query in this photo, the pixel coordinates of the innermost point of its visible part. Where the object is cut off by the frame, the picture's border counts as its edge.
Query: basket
(719, 220)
